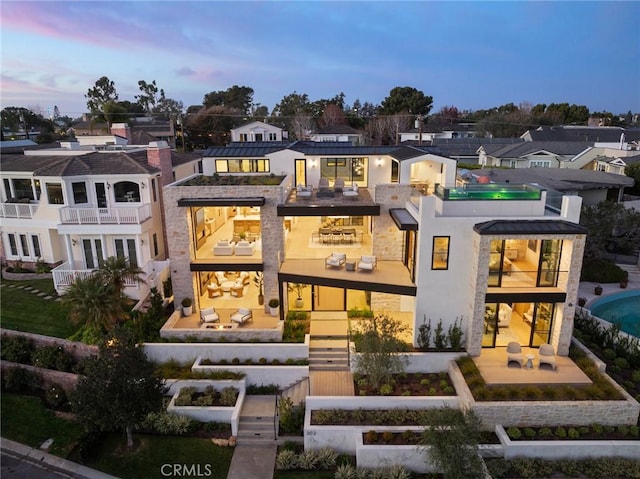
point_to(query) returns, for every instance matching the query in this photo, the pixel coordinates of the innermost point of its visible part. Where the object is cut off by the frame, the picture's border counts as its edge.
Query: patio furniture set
(225, 283)
(337, 235)
(229, 248)
(326, 191)
(546, 355)
(337, 260)
(209, 316)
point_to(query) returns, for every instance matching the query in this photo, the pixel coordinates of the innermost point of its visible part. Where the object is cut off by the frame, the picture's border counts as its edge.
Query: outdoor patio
(492, 364)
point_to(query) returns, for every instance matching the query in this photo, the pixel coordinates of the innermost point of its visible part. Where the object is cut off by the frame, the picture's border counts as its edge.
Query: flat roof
(528, 227)
(255, 201)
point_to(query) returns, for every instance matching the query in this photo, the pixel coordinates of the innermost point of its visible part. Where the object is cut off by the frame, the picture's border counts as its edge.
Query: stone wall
(389, 240)
(76, 349)
(48, 377)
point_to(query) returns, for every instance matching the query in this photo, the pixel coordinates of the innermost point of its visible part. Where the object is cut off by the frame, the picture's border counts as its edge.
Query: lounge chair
(546, 355)
(304, 191)
(214, 290)
(514, 353)
(224, 248)
(367, 263)
(335, 260)
(209, 315)
(350, 191)
(241, 316)
(338, 185)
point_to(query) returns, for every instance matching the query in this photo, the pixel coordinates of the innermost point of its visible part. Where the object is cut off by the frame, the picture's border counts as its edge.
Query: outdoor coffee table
(530, 358)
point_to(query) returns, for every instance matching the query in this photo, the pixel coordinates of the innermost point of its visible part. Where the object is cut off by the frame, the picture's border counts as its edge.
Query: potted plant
(297, 288)
(258, 280)
(274, 306)
(187, 307)
(598, 290)
(582, 302)
(624, 281)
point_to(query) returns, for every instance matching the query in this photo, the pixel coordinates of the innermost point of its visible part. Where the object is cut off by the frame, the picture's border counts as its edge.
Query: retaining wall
(281, 375)
(76, 349)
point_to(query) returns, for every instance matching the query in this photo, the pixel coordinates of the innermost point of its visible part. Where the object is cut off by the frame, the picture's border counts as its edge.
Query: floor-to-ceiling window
(350, 169)
(526, 323)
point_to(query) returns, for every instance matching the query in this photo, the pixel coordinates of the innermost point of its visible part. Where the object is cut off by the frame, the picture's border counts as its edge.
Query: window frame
(434, 266)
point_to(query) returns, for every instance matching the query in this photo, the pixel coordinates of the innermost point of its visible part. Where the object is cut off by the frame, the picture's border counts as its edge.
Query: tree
(115, 270)
(149, 95)
(102, 93)
(380, 347)
(118, 388)
(450, 442)
(611, 227)
(633, 171)
(238, 98)
(406, 100)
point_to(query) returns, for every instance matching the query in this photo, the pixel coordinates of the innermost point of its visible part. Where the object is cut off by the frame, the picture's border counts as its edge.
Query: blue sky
(472, 55)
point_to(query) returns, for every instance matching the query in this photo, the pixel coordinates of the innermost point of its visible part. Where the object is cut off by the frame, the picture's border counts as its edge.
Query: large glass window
(440, 257)
(22, 189)
(242, 166)
(54, 193)
(35, 240)
(79, 192)
(351, 169)
(126, 248)
(12, 244)
(549, 262)
(126, 192)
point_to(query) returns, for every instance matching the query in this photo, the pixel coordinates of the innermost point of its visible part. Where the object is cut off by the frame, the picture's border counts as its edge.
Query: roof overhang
(531, 227)
(256, 201)
(336, 209)
(403, 219)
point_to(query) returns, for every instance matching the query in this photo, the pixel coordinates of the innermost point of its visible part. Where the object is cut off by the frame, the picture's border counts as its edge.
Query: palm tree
(116, 270)
(94, 303)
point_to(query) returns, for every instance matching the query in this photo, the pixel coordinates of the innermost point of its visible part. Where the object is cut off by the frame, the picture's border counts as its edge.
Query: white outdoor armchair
(335, 260)
(514, 353)
(367, 263)
(546, 355)
(209, 315)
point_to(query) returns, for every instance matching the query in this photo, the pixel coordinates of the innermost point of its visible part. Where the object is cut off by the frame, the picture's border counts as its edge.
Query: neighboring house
(337, 133)
(73, 207)
(531, 154)
(586, 134)
(592, 186)
(464, 150)
(258, 132)
(429, 133)
(615, 164)
(489, 251)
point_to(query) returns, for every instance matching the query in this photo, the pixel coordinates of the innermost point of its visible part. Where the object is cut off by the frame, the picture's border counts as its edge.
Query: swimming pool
(620, 308)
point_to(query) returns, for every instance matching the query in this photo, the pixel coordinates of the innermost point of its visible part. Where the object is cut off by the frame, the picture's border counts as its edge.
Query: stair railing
(281, 393)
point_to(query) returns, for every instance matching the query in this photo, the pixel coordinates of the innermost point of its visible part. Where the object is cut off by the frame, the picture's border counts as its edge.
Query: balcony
(132, 215)
(18, 210)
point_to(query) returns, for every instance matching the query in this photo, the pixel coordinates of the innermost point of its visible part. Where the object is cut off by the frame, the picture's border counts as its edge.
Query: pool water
(622, 309)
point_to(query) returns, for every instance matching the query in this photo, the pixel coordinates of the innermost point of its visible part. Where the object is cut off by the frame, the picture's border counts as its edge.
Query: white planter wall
(418, 362)
(281, 375)
(189, 352)
(230, 415)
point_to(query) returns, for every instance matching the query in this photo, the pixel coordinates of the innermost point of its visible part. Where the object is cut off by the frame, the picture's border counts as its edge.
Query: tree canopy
(118, 388)
(406, 100)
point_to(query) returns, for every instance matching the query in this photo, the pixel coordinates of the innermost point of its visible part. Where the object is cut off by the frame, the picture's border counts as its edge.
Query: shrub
(545, 432)
(597, 428)
(386, 389)
(634, 431)
(621, 363)
(514, 433)
(609, 354)
(168, 424)
(345, 471)
(286, 460)
(16, 349)
(573, 433)
(455, 336)
(529, 433)
(561, 432)
(327, 458)
(20, 380)
(424, 334)
(635, 376)
(55, 396)
(440, 338)
(371, 436)
(228, 396)
(262, 361)
(307, 460)
(235, 361)
(387, 436)
(52, 357)
(424, 382)
(623, 429)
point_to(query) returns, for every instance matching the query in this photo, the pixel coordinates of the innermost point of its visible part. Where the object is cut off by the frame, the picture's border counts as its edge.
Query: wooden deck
(331, 383)
(492, 364)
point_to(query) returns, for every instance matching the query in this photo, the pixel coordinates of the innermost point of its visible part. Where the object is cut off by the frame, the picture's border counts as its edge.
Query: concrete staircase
(297, 391)
(256, 420)
(328, 354)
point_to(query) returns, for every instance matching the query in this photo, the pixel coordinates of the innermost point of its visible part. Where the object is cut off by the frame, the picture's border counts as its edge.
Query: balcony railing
(18, 210)
(527, 279)
(105, 216)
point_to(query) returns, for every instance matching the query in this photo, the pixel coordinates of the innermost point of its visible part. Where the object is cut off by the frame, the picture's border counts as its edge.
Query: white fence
(132, 215)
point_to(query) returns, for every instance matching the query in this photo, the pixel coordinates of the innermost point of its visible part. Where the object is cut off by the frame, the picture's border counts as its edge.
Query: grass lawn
(152, 452)
(25, 311)
(27, 421)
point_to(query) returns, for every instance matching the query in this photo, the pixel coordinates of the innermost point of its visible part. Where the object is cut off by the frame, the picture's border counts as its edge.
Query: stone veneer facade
(570, 260)
(179, 236)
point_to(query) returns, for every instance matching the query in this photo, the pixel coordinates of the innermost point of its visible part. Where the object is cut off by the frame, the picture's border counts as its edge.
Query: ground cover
(26, 311)
(26, 420)
(151, 453)
(252, 362)
(408, 384)
(412, 438)
(594, 432)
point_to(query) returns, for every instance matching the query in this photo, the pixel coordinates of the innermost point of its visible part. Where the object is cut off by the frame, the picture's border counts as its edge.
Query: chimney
(159, 155)
(123, 130)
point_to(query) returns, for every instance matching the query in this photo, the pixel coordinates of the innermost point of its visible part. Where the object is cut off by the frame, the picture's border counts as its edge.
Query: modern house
(74, 206)
(375, 227)
(337, 133)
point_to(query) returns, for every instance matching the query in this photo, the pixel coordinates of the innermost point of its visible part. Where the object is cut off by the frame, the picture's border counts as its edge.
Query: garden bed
(411, 438)
(595, 432)
(408, 384)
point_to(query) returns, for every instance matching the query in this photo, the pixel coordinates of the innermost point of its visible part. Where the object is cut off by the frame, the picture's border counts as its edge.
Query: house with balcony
(329, 227)
(257, 132)
(340, 133)
(75, 207)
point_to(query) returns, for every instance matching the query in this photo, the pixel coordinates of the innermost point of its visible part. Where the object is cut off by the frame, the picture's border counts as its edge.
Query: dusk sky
(472, 55)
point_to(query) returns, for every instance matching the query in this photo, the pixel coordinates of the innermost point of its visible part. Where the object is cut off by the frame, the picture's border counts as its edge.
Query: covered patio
(492, 364)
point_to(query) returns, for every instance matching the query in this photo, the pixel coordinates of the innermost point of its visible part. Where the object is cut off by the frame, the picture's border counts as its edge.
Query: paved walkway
(32, 290)
(253, 461)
